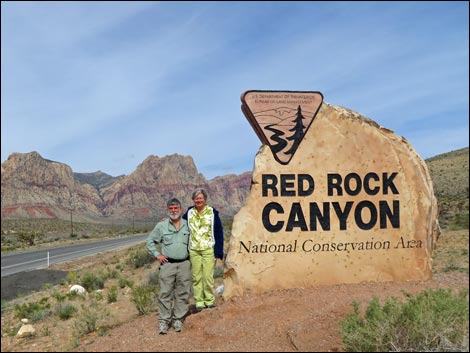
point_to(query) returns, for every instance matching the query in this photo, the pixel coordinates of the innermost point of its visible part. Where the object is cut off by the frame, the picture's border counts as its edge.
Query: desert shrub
(65, 310)
(72, 277)
(460, 221)
(112, 294)
(5, 305)
(29, 237)
(97, 296)
(74, 295)
(34, 311)
(91, 315)
(140, 257)
(59, 297)
(144, 298)
(92, 281)
(46, 286)
(112, 273)
(123, 282)
(11, 330)
(433, 320)
(153, 278)
(451, 266)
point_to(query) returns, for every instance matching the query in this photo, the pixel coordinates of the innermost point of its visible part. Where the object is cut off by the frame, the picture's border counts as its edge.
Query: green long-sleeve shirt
(173, 243)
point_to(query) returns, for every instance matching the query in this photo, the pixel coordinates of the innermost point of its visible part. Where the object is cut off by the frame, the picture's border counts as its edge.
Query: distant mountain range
(34, 187)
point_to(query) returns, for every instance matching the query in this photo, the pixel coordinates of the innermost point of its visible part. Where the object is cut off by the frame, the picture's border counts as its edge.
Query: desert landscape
(110, 318)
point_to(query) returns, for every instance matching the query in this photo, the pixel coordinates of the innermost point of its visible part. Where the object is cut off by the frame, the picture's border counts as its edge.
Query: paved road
(36, 259)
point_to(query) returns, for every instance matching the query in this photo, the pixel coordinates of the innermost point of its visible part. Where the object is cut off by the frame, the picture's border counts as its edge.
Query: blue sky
(103, 85)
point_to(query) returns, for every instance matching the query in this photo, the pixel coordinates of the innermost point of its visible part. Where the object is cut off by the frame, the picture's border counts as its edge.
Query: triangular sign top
(281, 118)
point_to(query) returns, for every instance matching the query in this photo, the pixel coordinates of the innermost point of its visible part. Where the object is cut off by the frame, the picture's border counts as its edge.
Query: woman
(206, 243)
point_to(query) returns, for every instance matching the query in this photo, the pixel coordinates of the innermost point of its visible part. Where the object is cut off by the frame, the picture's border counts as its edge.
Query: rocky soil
(279, 321)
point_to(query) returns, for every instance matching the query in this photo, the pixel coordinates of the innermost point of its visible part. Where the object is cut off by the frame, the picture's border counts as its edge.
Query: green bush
(112, 294)
(65, 310)
(123, 282)
(5, 305)
(88, 321)
(433, 320)
(59, 297)
(460, 221)
(144, 298)
(72, 277)
(153, 278)
(34, 311)
(92, 281)
(140, 257)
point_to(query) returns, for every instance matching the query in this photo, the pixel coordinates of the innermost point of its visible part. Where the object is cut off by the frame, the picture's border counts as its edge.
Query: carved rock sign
(335, 198)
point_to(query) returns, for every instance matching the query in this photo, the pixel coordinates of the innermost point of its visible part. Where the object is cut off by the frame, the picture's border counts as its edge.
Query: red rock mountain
(34, 187)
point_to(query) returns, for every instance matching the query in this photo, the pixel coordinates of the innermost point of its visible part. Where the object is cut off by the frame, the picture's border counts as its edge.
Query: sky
(103, 85)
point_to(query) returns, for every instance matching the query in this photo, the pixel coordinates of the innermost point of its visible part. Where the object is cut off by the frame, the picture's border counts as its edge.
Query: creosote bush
(140, 257)
(92, 281)
(65, 310)
(34, 311)
(144, 298)
(433, 320)
(91, 315)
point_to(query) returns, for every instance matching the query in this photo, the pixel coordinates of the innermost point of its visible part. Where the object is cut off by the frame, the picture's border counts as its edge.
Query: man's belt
(170, 260)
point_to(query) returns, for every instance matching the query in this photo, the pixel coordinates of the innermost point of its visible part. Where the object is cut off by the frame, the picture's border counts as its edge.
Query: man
(172, 235)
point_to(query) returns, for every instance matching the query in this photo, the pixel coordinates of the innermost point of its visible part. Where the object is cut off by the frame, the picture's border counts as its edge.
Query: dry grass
(451, 254)
(449, 173)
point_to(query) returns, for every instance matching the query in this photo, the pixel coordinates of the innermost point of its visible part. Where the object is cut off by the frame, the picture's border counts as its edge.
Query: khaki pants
(175, 287)
(202, 268)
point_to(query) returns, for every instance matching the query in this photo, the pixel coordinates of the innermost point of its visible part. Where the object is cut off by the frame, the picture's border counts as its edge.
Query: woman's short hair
(199, 191)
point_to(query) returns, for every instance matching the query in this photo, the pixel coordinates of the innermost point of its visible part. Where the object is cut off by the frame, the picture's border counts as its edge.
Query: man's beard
(175, 216)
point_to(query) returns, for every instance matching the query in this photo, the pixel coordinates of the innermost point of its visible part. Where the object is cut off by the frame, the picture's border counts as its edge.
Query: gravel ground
(304, 319)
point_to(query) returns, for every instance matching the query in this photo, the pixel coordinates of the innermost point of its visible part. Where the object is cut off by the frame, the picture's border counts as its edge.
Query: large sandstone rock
(378, 224)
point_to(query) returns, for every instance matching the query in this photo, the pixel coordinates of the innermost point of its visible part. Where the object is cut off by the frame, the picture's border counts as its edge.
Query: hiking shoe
(210, 306)
(177, 325)
(163, 328)
(199, 308)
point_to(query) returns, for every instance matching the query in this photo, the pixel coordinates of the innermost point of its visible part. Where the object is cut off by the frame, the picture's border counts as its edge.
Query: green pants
(175, 287)
(202, 268)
